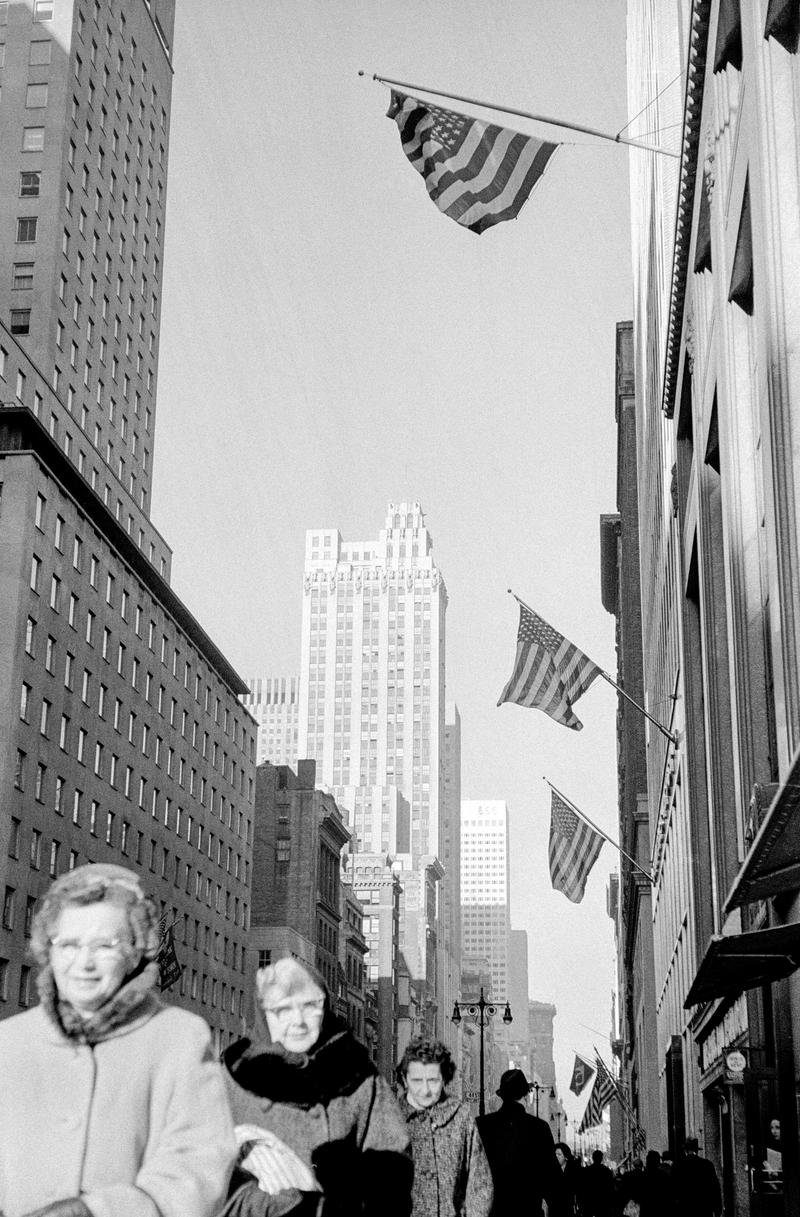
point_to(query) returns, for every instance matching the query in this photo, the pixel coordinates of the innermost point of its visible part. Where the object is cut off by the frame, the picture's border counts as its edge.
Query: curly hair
(287, 975)
(428, 1051)
(97, 883)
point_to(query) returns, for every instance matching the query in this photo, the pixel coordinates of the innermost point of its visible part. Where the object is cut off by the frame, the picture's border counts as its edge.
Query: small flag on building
(169, 969)
(582, 1072)
(550, 673)
(604, 1090)
(475, 172)
(574, 849)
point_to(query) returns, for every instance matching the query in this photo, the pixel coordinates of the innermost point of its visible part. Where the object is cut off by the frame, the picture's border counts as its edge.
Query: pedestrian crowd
(113, 1104)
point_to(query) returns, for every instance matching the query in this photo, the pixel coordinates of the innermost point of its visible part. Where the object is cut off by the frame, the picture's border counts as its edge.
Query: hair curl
(287, 976)
(97, 883)
(428, 1051)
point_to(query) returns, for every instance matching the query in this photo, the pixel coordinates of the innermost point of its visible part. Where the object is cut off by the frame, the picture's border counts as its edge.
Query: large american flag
(475, 172)
(603, 1091)
(574, 849)
(550, 673)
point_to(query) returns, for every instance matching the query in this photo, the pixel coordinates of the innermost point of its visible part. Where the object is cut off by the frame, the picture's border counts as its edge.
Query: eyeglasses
(306, 1009)
(97, 948)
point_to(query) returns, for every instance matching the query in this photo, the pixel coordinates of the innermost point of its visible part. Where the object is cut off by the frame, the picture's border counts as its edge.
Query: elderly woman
(319, 1130)
(112, 1104)
(451, 1172)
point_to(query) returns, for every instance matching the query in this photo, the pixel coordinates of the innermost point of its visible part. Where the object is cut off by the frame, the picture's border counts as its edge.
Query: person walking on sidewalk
(521, 1154)
(451, 1174)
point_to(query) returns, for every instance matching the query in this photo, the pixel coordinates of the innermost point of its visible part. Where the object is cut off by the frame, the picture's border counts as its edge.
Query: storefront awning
(735, 962)
(773, 864)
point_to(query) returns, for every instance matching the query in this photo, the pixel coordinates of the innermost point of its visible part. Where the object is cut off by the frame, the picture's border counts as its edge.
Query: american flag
(550, 673)
(476, 173)
(574, 849)
(604, 1090)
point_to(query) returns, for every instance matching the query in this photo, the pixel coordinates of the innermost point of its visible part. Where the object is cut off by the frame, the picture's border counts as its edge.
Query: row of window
(133, 613)
(43, 10)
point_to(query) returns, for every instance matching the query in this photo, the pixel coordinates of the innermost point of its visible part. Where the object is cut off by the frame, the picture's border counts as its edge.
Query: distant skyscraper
(372, 711)
(485, 913)
(372, 680)
(273, 702)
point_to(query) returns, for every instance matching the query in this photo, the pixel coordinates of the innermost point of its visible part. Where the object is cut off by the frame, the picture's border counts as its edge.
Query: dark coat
(522, 1157)
(598, 1188)
(338, 1115)
(451, 1174)
(697, 1190)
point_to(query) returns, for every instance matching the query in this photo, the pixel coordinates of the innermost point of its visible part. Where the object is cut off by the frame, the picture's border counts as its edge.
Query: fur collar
(133, 1003)
(335, 1066)
(440, 1114)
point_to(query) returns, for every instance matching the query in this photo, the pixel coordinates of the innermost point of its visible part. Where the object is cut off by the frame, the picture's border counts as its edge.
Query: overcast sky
(331, 342)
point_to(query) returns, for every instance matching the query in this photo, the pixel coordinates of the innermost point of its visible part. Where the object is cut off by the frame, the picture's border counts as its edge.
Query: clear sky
(330, 342)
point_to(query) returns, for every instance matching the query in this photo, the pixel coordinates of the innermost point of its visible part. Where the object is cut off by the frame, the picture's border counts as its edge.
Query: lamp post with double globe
(482, 1012)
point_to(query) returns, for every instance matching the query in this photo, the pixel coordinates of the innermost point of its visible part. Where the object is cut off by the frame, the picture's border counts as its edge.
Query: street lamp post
(539, 1088)
(482, 1012)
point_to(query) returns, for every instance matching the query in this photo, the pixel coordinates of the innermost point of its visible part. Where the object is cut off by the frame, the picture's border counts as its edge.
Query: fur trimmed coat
(129, 1111)
(451, 1171)
(338, 1115)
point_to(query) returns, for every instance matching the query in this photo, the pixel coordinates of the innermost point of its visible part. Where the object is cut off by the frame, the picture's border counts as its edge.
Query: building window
(43, 10)
(26, 229)
(36, 849)
(22, 276)
(32, 139)
(20, 321)
(25, 985)
(36, 97)
(8, 908)
(13, 840)
(40, 52)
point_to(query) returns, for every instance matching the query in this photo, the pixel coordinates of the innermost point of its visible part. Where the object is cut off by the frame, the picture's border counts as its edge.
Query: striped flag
(475, 172)
(574, 849)
(604, 1090)
(550, 673)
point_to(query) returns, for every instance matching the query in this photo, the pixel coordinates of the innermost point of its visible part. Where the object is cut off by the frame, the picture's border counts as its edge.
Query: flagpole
(673, 739)
(599, 830)
(539, 118)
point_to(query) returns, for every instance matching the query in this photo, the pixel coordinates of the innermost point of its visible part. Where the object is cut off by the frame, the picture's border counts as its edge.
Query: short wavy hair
(97, 883)
(428, 1051)
(286, 976)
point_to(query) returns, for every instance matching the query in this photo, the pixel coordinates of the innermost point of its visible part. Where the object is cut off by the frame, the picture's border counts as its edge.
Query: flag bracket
(538, 118)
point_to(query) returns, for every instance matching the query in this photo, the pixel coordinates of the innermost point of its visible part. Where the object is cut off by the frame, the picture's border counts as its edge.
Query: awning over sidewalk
(735, 962)
(773, 864)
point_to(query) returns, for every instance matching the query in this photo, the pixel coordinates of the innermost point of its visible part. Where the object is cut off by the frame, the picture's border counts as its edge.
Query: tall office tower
(485, 913)
(273, 702)
(372, 704)
(121, 734)
(449, 961)
(519, 1031)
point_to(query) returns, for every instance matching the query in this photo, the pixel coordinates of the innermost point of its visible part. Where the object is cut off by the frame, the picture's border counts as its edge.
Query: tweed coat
(137, 1124)
(451, 1171)
(333, 1109)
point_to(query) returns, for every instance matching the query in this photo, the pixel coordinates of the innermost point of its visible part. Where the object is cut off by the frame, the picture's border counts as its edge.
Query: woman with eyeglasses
(320, 1133)
(112, 1102)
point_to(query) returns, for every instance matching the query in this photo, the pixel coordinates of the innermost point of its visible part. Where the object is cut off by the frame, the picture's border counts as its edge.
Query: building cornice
(692, 111)
(21, 432)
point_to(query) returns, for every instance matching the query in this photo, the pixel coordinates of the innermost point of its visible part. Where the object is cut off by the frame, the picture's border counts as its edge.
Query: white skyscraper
(485, 907)
(273, 701)
(372, 715)
(372, 681)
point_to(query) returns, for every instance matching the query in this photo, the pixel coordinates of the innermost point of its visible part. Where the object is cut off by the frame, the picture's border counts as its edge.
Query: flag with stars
(603, 1091)
(574, 849)
(475, 172)
(550, 673)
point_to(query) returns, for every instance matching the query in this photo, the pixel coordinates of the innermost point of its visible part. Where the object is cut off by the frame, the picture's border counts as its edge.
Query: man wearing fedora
(521, 1153)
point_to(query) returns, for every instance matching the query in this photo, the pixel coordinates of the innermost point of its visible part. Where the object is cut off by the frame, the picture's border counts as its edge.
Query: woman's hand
(273, 1163)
